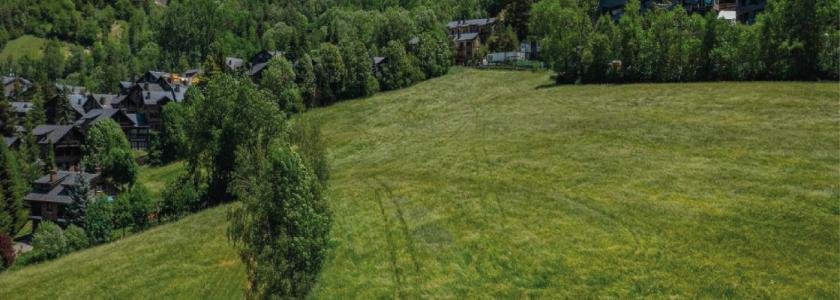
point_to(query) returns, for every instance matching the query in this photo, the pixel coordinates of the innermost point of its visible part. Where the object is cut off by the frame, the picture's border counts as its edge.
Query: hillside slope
(189, 259)
(488, 184)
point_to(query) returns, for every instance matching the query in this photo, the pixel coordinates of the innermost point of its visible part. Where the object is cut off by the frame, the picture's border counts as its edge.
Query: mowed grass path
(486, 184)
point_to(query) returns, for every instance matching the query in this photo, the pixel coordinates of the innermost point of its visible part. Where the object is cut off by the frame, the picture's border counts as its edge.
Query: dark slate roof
(96, 115)
(9, 79)
(108, 99)
(477, 22)
(59, 190)
(9, 140)
(378, 60)
(69, 88)
(139, 119)
(256, 69)
(77, 101)
(260, 61)
(466, 37)
(22, 107)
(154, 93)
(51, 133)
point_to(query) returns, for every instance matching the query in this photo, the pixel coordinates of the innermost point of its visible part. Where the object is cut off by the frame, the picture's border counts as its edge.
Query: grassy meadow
(25, 45)
(495, 184)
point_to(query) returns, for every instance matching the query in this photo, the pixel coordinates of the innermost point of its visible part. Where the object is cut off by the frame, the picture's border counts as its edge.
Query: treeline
(790, 40)
(97, 43)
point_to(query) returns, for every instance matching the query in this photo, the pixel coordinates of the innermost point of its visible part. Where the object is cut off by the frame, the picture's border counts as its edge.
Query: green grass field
(494, 184)
(23, 46)
(156, 178)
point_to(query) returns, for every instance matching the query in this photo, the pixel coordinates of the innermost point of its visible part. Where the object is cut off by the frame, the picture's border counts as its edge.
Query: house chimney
(53, 175)
(148, 95)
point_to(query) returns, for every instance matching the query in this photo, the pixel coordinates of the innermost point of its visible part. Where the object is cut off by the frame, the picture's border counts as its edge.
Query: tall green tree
(279, 80)
(100, 139)
(120, 167)
(306, 80)
(434, 53)
(80, 197)
(54, 60)
(99, 220)
(331, 73)
(227, 108)
(398, 71)
(360, 81)
(13, 213)
(8, 117)
(281, 229)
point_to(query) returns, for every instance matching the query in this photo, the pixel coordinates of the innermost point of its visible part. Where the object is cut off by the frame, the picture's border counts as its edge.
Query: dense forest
(790, 40)
(109, 41)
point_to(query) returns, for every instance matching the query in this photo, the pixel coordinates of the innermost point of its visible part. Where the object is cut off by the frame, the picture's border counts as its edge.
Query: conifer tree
(80, 195)
(13, 189)
(8, 119)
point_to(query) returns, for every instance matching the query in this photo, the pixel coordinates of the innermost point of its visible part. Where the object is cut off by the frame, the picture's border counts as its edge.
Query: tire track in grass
(609, 217)
(410, 247)
(390, 239)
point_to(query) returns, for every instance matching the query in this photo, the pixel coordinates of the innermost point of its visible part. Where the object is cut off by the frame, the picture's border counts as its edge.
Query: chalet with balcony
(135, 130)
(145, 98)
(468, 36)
(51, 194)
(15, 87)
(66, 142)
(743, 11)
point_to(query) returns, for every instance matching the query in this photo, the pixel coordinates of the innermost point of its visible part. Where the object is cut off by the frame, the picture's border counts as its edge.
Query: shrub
(132, 209)
(119, 165)
(49, 240)
(77, 239)
(7, 252)
(99, 221)
(180, 197)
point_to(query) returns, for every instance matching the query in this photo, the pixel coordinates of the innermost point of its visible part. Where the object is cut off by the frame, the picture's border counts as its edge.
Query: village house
(74, 97)
(259, 62)
(51, 194)
(467, 46)
(133, 125)
(66, 142)
(12, 142)
(233, 64)
(14, 87)
(377, 64)
(255, 66)
(743, 11)
(469, 36)
(147, 96)
(21, 109)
